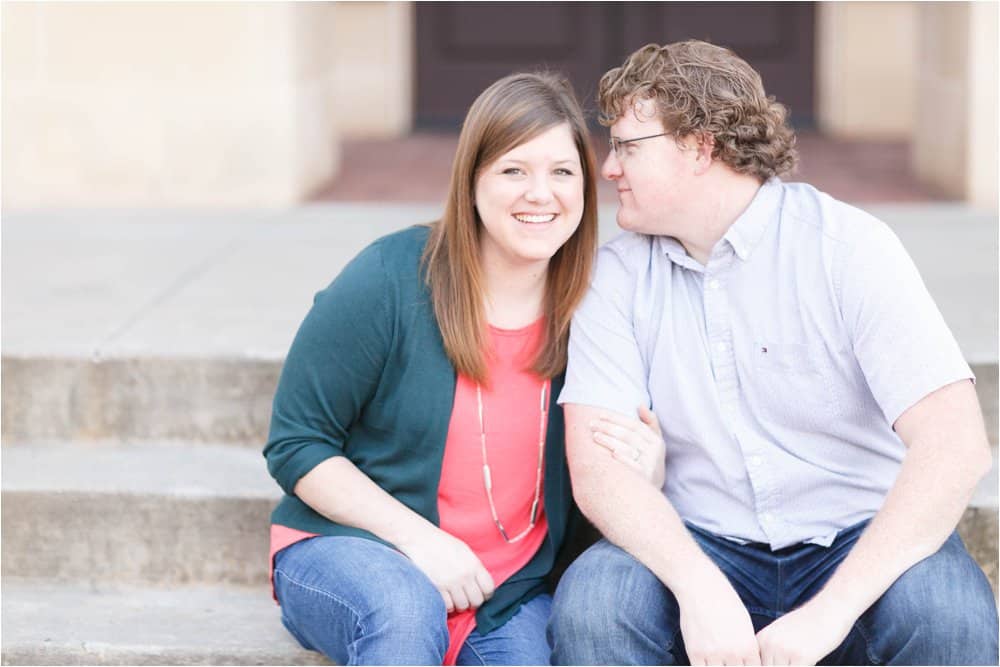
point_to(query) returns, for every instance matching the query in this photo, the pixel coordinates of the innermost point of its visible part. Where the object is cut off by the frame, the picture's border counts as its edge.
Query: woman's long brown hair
(510, 112)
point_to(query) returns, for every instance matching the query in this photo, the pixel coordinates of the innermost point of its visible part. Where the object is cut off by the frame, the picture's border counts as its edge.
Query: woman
(415, 430)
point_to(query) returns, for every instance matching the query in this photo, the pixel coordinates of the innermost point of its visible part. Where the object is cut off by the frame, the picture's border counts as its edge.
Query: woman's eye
(512, 171)
(564, 172)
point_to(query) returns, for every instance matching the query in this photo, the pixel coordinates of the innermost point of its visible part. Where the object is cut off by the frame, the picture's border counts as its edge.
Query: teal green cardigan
(367, 378)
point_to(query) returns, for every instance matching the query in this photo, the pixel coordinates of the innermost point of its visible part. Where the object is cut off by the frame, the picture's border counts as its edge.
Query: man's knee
(608, 599)
(941, 610)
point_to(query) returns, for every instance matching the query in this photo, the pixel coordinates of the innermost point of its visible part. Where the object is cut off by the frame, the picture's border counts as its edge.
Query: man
(822, 431)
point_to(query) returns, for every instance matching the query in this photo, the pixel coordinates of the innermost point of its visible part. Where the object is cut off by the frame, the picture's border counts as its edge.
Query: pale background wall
(166, 103)
(866, 68)
(245, 104)
(373, 63)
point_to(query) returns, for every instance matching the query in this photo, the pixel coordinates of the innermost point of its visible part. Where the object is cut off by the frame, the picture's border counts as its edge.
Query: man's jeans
(361, 603)
(610, 609)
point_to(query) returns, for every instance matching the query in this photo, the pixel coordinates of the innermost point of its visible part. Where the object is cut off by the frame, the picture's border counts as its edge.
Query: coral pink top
(511, 416)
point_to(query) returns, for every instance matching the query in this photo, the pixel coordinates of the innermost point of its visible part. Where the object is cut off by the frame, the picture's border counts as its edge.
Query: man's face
(654, 176)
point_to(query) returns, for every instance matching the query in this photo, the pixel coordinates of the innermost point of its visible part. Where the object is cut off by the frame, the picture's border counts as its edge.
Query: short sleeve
(605, 368)
(900, 339)
(332, 370)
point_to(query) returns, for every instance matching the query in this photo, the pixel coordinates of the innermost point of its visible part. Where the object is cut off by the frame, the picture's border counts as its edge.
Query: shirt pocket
(792, 384)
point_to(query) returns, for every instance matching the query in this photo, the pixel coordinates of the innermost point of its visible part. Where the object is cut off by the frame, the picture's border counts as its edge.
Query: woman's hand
(637, 443)
(452, 567)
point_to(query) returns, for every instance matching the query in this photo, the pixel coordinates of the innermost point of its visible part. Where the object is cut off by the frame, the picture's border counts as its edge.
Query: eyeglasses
(618, 145)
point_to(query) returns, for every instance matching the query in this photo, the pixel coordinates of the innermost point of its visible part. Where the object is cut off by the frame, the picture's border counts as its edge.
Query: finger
(628, 429)
(628, 454)
(474, 594)
(629, 461)
(449, 604)
(605, 441)
(461, 601)
(648, 417)
(622, 449)
(485, 582)
(752, 658)
(614, 430)
(616, 421)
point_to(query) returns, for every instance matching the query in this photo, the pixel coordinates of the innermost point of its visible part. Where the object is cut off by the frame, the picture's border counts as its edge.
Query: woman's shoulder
(406, 244)
(391, 258)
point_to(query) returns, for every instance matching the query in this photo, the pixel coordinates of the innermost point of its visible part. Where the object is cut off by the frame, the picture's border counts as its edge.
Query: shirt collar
(746, 232)
(673, 249)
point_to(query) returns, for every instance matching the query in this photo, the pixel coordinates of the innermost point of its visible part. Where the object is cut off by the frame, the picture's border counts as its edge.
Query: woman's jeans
(362, 603)
(610, 609)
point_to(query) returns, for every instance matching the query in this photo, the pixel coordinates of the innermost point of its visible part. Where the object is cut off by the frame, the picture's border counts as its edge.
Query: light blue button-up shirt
(776, 370)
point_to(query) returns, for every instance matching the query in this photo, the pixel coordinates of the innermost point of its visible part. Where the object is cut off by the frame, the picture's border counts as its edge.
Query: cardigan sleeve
(332, 370)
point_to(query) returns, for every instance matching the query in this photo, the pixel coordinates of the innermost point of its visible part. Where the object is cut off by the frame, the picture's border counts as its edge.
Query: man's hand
(715, 625)
(804, 636)
(452, 567)
(636, 443)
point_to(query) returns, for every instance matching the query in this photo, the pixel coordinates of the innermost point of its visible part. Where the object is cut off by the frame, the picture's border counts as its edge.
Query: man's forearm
(947, 456)
(630, 513)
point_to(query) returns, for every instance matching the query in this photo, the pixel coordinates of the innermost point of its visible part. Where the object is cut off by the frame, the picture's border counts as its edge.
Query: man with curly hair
(821, 426)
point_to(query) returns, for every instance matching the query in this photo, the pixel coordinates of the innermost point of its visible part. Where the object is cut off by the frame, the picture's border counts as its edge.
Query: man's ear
(705, 147)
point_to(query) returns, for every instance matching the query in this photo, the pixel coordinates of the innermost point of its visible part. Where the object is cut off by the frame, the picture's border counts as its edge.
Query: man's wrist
(700, 580)
(833, 609)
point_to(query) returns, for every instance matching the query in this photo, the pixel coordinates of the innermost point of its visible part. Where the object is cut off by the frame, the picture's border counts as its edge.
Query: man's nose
(612, 168)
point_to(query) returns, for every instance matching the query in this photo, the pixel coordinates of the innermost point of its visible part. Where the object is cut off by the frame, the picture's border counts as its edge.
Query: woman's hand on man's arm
(636, 443)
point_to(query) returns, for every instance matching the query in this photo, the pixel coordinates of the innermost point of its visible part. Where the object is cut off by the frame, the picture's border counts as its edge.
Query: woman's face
(530, 200)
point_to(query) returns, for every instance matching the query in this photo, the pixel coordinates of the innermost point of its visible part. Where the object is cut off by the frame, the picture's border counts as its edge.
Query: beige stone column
(955, 142)
(373, 60)
(866, 56)
(167, 104)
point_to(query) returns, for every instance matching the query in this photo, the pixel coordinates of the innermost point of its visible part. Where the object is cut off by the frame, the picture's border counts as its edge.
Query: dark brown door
(462, 47)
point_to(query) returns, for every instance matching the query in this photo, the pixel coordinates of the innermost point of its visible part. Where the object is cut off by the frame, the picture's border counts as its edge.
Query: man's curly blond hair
(701, 89)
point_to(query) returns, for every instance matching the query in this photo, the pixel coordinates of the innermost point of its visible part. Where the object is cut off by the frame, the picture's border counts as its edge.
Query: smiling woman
(415, 429)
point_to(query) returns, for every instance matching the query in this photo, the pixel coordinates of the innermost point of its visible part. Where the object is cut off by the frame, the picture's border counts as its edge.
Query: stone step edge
(206, 399)
(46, 623)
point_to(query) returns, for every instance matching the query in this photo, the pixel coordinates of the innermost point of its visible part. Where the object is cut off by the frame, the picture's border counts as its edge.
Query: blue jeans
(361, 603)
(610, 609)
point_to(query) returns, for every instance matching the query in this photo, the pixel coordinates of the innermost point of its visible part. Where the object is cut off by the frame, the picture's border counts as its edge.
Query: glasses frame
(617, 143)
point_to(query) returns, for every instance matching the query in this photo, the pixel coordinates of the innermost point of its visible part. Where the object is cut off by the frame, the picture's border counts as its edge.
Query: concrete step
(216, 400)
(210, 399)
(162, 514)
(171, 514)
(47, 623)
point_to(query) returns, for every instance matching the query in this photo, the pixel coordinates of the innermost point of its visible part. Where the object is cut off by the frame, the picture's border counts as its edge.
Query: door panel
(462, 47)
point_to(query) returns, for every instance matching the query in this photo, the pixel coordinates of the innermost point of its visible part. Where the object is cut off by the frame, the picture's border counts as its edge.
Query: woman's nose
(539, 191)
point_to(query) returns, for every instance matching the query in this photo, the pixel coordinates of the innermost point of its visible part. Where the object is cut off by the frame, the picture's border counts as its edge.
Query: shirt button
(766, 517)
(721, 347)
(714, 284)
(756, 460)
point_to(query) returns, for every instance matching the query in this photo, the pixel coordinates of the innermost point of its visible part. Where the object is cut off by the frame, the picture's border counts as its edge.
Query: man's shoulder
(824, 215)
(626, 254)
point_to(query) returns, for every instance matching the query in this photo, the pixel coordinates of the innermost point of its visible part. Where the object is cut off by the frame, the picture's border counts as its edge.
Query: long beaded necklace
(488, 479)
